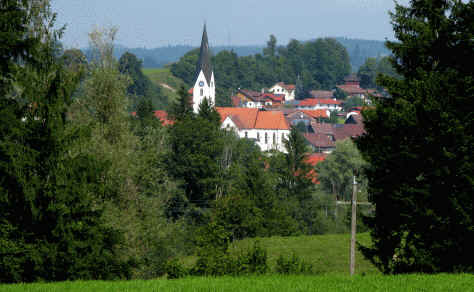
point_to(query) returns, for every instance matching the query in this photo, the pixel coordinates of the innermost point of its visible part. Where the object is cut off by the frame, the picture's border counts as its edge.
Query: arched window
(202, 92)
(266, 138)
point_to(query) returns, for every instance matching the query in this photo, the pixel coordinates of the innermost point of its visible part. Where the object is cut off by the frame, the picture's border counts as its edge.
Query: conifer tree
(50, 227)
(419, 144)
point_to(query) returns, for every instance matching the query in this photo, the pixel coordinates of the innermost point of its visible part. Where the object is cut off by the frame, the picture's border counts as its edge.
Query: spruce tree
(419, 144)
(50, 226)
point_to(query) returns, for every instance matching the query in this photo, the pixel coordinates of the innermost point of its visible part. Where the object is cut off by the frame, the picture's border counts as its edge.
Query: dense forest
(319, 64)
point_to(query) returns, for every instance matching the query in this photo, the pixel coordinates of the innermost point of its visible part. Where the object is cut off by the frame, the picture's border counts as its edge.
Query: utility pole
(353, 225)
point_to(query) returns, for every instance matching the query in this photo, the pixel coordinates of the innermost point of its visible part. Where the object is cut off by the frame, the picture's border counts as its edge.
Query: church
(267, 128)
(204, 87)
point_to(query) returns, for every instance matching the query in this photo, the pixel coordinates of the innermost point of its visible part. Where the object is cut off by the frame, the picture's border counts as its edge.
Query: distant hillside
(159, 57)
(359, 50)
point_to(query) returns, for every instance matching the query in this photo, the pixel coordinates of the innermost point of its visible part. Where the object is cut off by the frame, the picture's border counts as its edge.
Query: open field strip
(330, 282)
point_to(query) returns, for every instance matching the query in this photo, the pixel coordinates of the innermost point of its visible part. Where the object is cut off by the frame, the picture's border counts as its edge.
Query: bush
(175, 270)
(292, 265)
(254, 261)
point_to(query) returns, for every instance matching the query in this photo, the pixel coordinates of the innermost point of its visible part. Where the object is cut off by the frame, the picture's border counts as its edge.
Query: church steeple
(205, 86)
(204, 62)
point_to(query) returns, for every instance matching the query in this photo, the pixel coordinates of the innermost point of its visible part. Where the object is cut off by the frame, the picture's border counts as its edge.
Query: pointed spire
(204, 62)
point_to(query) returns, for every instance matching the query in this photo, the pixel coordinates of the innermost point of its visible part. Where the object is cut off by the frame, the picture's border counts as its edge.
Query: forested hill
(359, 50)
(159, 57)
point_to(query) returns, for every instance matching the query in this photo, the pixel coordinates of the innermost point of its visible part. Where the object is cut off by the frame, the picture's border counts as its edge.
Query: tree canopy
(419, 143)
(322, 63)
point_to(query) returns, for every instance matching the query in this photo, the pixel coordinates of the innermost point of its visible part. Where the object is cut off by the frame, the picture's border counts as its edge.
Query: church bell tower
(205, 86)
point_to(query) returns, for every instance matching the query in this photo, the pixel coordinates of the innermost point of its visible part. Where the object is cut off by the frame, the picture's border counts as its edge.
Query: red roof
(246, 116)
(288, 87)
(235, 101)
(161, 115)
(319, 113)
(190, 91)
(252, 118)
(271, 120)
(316, 101)
(314, 159)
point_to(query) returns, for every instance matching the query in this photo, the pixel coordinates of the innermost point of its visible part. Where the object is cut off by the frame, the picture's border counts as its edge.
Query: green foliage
(215, 259)
(175, 270)
(322, 63)
(336, 172)
(419, 144)
(353, 102)
(367, 73)
(50, 225)
(140, 86)
(372, 67)
(292, 265)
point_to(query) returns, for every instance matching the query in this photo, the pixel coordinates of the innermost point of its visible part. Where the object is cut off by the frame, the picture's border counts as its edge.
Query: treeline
(373, 67)
(359, 50)
(319, 64)
(89, 191)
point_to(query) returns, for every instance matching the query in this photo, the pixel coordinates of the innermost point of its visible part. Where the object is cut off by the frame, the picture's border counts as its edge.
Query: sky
(157, 23)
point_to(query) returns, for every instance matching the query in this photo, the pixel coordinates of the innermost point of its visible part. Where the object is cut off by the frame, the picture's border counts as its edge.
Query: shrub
(292, 265)
(175, 270)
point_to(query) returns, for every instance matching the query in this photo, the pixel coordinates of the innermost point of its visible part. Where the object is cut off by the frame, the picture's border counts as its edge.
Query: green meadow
(330, 282)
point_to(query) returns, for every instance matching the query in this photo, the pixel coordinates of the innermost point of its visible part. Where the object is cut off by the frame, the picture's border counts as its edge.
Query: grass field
(441, 282)
(166, 80)
(327, 253)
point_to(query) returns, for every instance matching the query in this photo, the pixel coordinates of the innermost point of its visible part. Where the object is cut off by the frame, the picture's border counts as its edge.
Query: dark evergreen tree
(300, 92)
(50, 225)
(419, 144)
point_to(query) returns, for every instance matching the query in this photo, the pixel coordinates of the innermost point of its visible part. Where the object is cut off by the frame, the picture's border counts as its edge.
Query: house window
(246, 135)
(258, 136)
(282, 137)
(202, 92)
(266, 138)
(212, 83)
(274, 139)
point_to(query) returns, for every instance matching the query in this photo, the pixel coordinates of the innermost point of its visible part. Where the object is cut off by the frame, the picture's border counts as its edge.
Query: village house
(255, 99)
(288, 90)
(318, 103)
(267, 128)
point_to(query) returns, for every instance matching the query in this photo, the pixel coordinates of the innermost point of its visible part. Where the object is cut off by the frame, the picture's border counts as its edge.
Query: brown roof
(345, 131)
(352, 89)
(321, 93)
(322, 128)
(320, 140)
